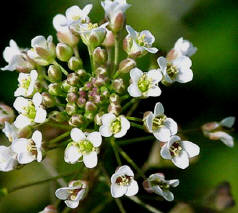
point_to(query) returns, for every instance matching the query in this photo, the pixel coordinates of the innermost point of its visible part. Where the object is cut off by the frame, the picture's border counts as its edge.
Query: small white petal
(181, 160)
(135, 75)
(95, 138)
(162, 63)
(174, 183)
(228, 122)
(172, 125)
(157, 190)
(118, 191)
(149, 121)
(39, 155)
(152, 50)
(72, 154)
(155, 75)
(37, 99)
(108, 118)
(168, 196)
(37, 138)
(165, 153)
(173, 139)
(40, 115)
(184, 76)
(162, 134)
(20, 145)
(125, 170)
(90, 160)
(39, 41)
(105, 131)
(25, 157)
(20, 92)
(134, 91)
(60, 22)
(159, 109)
(22, 121)
(155, 91)
(191, 148)
(62, 193)
(77, 135)
(131, 32)
(132, 189)
(20, 103)
(72, 204)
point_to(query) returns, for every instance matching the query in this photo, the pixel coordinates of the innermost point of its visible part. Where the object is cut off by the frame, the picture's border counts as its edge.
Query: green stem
(146, 206)
(134, 119)
(128, 104)
(90, 50)
(109, 61)
(120, 206)
(59, 138)
(137, 125)
(62, 69)
(76, 52)
(112, 140)
(116, 53)
(61, 126)
(133, 108)
(39, 182)
(135, 140)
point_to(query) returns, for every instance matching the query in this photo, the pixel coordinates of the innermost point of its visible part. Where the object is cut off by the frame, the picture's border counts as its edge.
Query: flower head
(8, 160)
(10, 131)
(176, 70)
(144, 84)
(26, 84)
(112, 125)
(158, 124)
(75, 192)
(31, 111)
(43, 50)
(156, 183)
(28, 150)
(16, 58)
(179, 151)
(123, 183)
(83, 148)
(138, 43)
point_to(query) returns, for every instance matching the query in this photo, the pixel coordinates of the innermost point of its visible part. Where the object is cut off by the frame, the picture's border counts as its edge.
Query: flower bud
(114, 108)
(26, 132)
(90, 106)
(71, 108)
(55, 89)
(47, 100)
(99, 82)
(104, 92)
(114, 98)
(67, 38)
(75, 63)
(63, 52)
(73, 79)
(81, 102)
(72, 97)
(82, 74)
(54, 73)
(118, 85)
(98, 118)
(100, 55)
(6, 114)
(109, 40)
(58, 116)
(117, 23)
(210, 126)
(101, 72)
(89, 115)
(65, 86)
(76, 120)
(126, 65)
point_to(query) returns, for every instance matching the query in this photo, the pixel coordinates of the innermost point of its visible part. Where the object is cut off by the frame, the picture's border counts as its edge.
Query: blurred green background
(212, 95)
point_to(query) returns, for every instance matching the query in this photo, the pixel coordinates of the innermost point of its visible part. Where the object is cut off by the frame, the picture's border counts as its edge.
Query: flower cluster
(90, 107)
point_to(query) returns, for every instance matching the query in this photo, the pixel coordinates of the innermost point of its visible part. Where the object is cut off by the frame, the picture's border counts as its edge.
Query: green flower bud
(100, 55)
(118, 85)
(63, 52)
(89, 115)
(101, 72)
(126, 65)
(114, 98)
(98, 118)
(104, 92)
(55, 89)
(82, 74)
(90, 106)
(47, 100)
(72, 97)
(75, 63)
(76, 120)
(54, 73)
(71, 108)
(58, 116)
(65, 86)
(114, 108)
(73, 79)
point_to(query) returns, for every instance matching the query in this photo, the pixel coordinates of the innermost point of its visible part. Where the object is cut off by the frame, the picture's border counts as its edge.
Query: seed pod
(54, 73)
(100, 56)
(118, 85)
(73, 79)
(63, 52)
(71, 108)
(76, 120)
(55, 89)
(72, 97)
(47, 100)
(126, 65)
(75, 63)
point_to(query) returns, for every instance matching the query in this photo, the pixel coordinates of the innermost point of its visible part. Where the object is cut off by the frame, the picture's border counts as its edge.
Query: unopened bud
(81, 73)
(100, 55)
(67, 38)
(98, 118)
(58, 116)
(63, 52)
(65, 86)
(47, 100)
(71, 108)
(89, 115)
(118, 22)
(75, 63)
(109, 40)
(126, 65)
(118, 85)
(114, 108)
(73, 79)
(26, 132)
(90, 106)
(101, 72)
(76, 120)
(72, 97)
(104, 92)
(114, 98)
(54, 73)
(210, 126)
(6, 114)
(55, 89)
(81, 102)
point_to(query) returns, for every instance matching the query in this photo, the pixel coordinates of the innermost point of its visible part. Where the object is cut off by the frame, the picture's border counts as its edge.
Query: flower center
(171, 71)
(116, 126)
(85, 146)
(25, 83)
(141, 40)
(158, 122)
(175, 149)
(92, 26)
(162, 184)
(31, 147)
(144, 83)
(123, 180)
(74, 193)
(30, 110)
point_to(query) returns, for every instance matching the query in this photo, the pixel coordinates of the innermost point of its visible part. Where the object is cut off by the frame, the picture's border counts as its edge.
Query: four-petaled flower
(26, 84)
(112, 125)
(144, 84)
(28, 150)
(176, 70)
(30, 111)
(156, 183)
(75, 192)
(83, 148)
(184, 47)
(123, 183)
(138, 43)
(158, 124)
(8, 159)
(179, 151)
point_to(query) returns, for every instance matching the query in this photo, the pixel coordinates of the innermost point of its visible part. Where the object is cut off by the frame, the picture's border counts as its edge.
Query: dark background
(212, 95)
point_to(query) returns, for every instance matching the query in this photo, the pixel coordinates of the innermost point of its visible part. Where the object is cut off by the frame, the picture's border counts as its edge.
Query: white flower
(156, 183)
(15, 58)
(83, 148)
(43, 51)
(139, 43)
(8, 160)
(75, 192)
(216, 130)
(26, 84)
(28, 150)
(179, 151)
(30, 111)
(112, 125)
(176, 70)
(123, 183)
(10, 131)
(144, 84)
(161, 126)
(184, 47)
